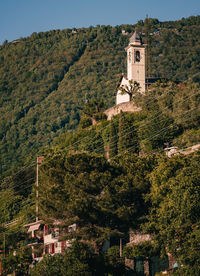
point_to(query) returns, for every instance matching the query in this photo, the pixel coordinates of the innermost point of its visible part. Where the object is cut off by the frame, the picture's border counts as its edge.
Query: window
(137, 56)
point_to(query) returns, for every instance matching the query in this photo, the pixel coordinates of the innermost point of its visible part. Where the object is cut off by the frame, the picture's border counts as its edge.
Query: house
(146, 265)
(36, 239)
(124, 32)
(45, 239)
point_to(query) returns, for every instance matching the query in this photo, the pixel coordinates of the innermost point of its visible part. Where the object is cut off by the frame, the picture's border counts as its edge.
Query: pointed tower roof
(135, 39)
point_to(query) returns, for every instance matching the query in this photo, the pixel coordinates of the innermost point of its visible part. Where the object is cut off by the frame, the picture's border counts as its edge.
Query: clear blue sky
(20, 18)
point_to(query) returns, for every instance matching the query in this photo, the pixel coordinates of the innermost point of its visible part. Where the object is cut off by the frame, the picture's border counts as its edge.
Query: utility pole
(120, 247)
(4, 245)
(39, 162)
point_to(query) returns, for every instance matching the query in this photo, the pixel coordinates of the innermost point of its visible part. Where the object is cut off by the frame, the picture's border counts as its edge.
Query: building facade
(135, 67)
(45, 239)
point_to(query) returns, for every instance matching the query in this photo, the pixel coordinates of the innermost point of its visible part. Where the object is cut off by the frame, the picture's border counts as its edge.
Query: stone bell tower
(135, 67)
(136, 61)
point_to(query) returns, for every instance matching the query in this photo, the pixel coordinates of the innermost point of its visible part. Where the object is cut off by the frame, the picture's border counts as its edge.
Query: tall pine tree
(127, 135)
(113, 139)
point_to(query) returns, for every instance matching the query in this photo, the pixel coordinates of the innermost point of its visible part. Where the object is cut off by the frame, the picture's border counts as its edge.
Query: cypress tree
(127, 135)
(113, 139)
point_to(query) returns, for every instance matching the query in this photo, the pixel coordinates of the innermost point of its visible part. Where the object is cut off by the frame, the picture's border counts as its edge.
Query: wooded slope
(45, 78)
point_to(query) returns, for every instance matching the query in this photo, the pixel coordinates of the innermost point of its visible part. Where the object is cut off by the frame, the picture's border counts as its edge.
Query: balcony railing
(33, 241)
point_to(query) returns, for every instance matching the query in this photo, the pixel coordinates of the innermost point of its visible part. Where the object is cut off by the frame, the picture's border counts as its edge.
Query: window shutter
(63, 246)
(52, 248)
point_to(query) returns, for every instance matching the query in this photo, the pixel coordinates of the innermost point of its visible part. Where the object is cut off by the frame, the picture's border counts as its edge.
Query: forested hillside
(46, 82)
(46, 78)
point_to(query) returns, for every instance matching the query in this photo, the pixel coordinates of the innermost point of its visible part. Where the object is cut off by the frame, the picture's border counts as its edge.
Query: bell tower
(135, 68)
(136, 61)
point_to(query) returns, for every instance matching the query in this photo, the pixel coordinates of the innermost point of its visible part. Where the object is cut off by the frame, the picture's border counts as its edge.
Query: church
(136, 72)
(135, 67)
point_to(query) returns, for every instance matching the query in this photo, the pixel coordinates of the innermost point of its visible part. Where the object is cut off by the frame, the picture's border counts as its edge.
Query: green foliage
(21, 182)
(10, 205)
(188, 138)
(85, 122)
(44, 82)
(127, 193)
(171, 111)
(93, 107)
(116, 265)
(100, 116)
(43, 86)
(46, 77)
(99, 197)
(49, 266)
(131, 89)
(145, 249)
(74, 192)
(175, 208)
(79, 259)
(113, 139)
(18, 262)
(127, 135)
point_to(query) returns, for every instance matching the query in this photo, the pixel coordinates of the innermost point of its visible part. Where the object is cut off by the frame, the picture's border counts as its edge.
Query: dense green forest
(106, 197)
(46, 78)
(111, 176)
(151, 194)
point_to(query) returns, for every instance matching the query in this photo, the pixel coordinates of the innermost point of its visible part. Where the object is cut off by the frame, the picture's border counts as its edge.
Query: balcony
(33, 241)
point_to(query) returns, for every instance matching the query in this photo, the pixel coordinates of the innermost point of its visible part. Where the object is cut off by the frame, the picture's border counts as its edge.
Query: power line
(150, 138)
(139, 124)
(90, 136)
(103, 128)
(10, 178)
(156, 133)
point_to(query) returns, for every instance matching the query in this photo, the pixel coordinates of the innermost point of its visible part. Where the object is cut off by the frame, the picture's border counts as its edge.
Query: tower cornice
(135, 46)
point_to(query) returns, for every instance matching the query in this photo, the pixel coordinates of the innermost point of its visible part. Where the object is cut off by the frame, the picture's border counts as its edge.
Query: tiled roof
(135, 38)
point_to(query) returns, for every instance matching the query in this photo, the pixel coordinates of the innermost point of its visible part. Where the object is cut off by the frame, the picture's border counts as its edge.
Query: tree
(132, 89)
(174, 218)
(113, 139)
(94, 109)
(125, 196)
(81, 260)
(10, 205)
(116, 264)
(18, 262)
(77, 260)
(85, 122)
(127, 135)
(72, 191)
(49, 266)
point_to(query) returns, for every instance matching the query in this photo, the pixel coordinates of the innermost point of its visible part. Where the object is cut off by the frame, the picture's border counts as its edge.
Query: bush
(85, 122)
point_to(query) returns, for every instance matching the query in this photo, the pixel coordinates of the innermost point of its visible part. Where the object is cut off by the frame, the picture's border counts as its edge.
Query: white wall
(125, 97)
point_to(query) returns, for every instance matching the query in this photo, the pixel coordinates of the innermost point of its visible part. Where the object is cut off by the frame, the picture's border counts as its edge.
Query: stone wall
(125, 107)
(137, 237)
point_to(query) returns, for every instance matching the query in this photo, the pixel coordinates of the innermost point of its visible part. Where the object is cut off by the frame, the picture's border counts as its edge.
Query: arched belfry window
(137, 56)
